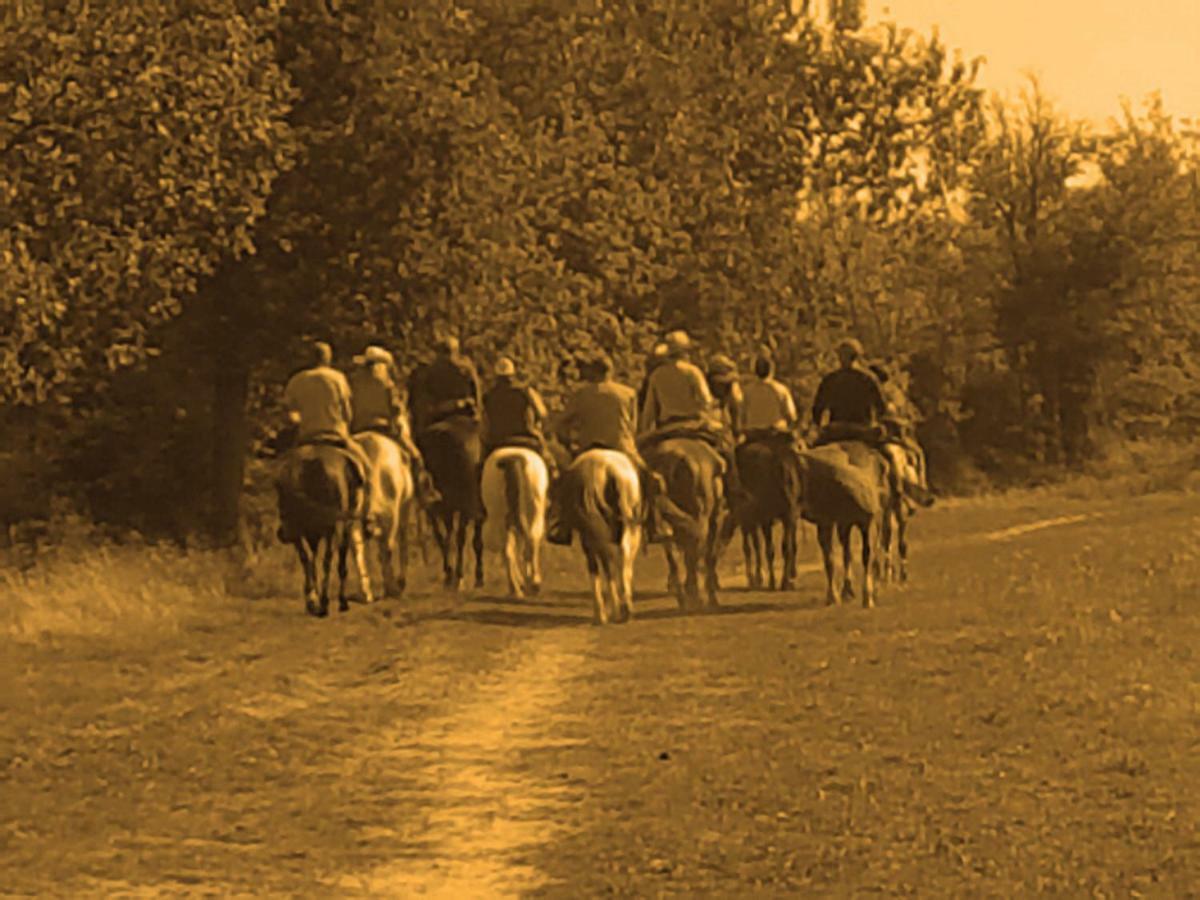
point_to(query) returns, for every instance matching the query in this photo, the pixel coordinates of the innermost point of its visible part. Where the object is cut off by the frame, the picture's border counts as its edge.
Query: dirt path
(487, 809)
(497, 749)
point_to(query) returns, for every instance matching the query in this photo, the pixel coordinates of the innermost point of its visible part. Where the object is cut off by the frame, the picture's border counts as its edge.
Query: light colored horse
(908, 463)
(602, 499)
(393, 504)
(514, 484)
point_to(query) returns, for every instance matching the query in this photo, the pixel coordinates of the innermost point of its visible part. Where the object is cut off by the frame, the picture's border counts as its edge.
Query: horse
(771, 474)
(909, 465)
(453, 453)
(602, 500)
(514, 485)
(692, 471)
(846, 489)
(321, 494)
(392, 503)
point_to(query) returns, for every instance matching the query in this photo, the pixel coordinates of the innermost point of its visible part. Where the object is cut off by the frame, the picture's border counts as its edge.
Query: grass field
(1022, 717)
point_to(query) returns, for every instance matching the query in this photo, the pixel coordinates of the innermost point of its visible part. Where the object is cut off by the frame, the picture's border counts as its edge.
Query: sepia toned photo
(481, 449)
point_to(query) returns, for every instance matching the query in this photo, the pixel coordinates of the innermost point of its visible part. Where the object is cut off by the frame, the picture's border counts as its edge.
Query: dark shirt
(511, 411)
(849, 395)
(442, 384)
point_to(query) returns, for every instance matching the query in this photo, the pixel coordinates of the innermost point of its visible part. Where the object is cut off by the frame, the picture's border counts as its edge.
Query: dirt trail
(487, 810)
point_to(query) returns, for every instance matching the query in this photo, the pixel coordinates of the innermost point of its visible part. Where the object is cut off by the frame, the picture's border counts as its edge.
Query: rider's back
(851, 396)
(374, 402)
(321, 396)
(604, 414)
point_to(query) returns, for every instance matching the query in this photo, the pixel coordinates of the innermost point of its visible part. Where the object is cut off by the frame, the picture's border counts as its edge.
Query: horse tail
(618, 515)
(599, 497)
(511, 467)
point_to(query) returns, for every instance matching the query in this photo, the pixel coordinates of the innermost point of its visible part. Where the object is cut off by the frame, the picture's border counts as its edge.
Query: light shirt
(601, 414)
(320, 398)
(766, 405)
(677, 390)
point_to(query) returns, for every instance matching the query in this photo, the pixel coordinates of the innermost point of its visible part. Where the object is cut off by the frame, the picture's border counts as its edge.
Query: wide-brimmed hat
(505, 367)
(678, 343)
(374, 354)
(722, 366)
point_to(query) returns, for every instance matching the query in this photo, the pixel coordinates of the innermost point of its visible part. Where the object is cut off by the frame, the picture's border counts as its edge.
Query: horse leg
(748, 556)
(460, 550)
(343, 551)
(768, 537)
(512, 561)
(477, 546)
(630, 542)
(825, 539)
(327, 564)
(354, 537)
(867, 532)
(902, 545)
(787, 580)
(309, 561)
(599, 612)
(674, 583)
(691, 562)
(712, 555)
(844, 532)
(400, 548)
(535, 565)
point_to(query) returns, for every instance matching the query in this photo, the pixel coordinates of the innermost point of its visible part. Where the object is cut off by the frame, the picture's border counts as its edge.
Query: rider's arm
(539, 405)
(649, 416)
(820, 403)
(290, 403)
(789, 408)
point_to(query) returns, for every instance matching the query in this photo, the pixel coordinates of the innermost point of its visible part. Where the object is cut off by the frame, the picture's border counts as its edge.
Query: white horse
(514, 483)
(602, 499)
(392, 507)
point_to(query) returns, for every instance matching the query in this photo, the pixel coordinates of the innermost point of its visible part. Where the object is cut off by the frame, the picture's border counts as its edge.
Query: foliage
(140, 142)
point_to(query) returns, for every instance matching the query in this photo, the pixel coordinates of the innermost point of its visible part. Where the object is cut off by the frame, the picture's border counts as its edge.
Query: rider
(678, 399)
(513, 414)
(603, 413)
(767, 411)
(318, 401)
(852, 397)
(379, 407)
(726, 388)
(899, 420)
(446, 387)
(657, 356)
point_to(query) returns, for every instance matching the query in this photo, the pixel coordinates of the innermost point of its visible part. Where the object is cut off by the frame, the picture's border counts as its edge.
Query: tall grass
(87, 583)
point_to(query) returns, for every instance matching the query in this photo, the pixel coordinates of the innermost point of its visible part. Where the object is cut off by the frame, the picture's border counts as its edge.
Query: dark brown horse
(770, 471)
(453, 453)
(321, 494)
(846, 489)
(692, 471)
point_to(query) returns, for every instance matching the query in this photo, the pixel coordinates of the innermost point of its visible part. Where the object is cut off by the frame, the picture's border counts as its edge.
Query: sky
(1087, 54)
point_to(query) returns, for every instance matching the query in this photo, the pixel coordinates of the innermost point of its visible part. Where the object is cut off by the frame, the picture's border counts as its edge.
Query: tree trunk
(230, 437)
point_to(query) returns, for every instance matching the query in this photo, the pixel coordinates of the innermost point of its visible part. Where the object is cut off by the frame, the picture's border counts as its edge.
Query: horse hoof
(535, 589)
(343, 606)
(312, 608)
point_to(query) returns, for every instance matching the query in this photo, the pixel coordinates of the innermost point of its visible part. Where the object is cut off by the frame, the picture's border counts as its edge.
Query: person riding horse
(657, 356)
(899, 420)
(603, 414)
(677, 402)
(725, 386)
(446, 387)
(513, 415)
(854, 400)
(767, 411)
(319, 405)
(379, 407)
